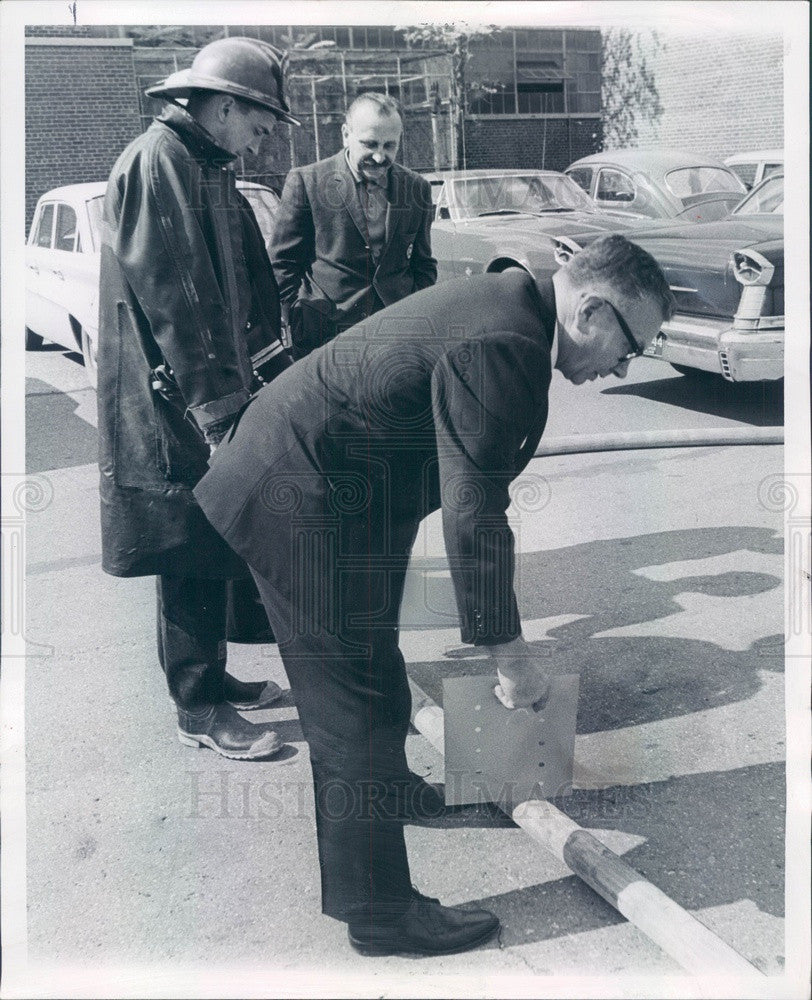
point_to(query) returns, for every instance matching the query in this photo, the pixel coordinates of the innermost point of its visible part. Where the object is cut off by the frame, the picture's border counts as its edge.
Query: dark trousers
(192, 639)
(335, 615)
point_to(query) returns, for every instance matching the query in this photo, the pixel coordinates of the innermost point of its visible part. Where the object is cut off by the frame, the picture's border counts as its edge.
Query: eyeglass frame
(627, 333)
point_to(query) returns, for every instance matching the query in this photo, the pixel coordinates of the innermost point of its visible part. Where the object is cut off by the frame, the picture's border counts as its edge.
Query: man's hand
(216, 432)
(523, 680)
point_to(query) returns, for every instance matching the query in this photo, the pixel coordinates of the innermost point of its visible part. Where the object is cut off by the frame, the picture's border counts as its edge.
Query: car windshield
(689, 181)
(94, 214)
(766, 199)
(517, 194)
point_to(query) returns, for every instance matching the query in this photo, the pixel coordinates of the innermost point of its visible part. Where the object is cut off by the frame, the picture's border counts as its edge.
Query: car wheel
(33, 341)
(89, 354)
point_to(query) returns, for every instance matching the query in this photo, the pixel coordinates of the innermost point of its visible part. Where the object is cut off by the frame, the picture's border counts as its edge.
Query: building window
(501, 102)
(539, 71)
(541, 98)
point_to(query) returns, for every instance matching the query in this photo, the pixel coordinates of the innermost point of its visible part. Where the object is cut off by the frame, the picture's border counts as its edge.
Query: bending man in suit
(438, 401)
(351, 234)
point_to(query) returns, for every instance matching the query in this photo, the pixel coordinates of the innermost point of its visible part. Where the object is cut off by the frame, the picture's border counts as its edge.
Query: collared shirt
(374, 205)
(545, 290)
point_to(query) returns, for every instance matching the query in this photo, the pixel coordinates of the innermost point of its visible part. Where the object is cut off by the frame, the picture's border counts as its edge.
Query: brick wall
(81, 111)
(551, 143)
(720, 95)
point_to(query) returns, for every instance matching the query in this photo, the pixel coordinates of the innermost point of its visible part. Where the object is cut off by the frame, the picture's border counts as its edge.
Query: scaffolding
(320, 94)
(321, 85)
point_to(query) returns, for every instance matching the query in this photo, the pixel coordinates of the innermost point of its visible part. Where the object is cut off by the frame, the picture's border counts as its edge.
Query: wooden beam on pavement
(680, 935)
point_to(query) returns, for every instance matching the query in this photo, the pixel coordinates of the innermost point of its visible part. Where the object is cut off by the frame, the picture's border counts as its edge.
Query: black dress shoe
(426, 928)
(250, 695)
(224, 730)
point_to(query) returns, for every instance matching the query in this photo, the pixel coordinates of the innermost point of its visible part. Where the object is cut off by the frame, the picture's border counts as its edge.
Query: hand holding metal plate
(524, 681)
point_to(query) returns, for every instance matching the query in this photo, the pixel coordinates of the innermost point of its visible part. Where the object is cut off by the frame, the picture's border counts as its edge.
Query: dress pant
(246, 621)
(192, 639)
(334, 610)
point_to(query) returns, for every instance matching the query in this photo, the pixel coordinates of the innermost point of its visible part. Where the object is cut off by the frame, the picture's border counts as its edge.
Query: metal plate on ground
(496, 754)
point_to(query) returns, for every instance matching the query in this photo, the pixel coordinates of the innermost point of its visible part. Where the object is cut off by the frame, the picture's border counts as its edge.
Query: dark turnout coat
(188, 309)
(327, 275)
(437, 401)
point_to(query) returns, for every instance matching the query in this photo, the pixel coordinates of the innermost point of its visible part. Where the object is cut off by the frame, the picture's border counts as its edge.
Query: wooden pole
(680, 935)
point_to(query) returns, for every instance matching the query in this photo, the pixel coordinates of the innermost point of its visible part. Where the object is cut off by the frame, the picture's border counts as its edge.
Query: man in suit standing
(351, 233)
(438, 401)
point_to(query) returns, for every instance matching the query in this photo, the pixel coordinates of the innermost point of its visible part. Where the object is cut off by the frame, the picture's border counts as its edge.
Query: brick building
(720, 95)
(81, 109)
(535, 103)
(542, 102)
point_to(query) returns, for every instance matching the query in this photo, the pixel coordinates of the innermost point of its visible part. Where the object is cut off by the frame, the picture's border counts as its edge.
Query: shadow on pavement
(701, 848)
(55, 437)
(758, 403)
(630, 680)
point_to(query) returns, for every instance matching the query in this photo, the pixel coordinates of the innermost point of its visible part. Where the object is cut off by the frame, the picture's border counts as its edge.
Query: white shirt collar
(554, 346)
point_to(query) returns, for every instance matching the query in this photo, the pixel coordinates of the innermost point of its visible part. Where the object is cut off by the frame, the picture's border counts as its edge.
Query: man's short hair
(385, 105)
(615, 262)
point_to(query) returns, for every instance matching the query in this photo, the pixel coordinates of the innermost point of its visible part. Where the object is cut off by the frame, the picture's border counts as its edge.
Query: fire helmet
(242, 67)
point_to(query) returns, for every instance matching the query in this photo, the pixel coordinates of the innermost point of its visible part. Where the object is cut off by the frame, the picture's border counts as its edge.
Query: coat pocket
(181, 452)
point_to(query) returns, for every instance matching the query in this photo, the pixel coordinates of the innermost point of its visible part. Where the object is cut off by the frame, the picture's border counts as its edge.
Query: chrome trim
(721, 345)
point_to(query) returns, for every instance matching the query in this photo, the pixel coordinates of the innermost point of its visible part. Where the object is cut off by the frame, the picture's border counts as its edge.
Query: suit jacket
(437, 401)
(327, 276)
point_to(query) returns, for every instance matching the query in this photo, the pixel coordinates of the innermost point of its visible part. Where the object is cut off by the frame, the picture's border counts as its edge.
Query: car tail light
(755, 273)
(565, 250)
(750, 268)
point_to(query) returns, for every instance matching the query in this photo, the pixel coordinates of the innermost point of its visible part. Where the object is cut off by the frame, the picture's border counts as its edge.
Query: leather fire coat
(188, 313)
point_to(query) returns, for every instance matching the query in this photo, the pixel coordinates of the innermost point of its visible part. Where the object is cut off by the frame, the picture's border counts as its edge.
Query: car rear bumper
(714, 345)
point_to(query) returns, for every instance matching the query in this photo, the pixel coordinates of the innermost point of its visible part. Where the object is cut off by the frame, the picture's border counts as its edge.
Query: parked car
(62, 265)
(753, 167)
(658, 184)
(728, 280)
(489, 220)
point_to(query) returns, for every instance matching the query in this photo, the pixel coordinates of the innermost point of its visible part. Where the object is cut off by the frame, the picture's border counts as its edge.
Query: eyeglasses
(637, 351)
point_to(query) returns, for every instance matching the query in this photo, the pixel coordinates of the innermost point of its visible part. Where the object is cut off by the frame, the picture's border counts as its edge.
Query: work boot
(250, 695)
(426, 928)
(223, 729)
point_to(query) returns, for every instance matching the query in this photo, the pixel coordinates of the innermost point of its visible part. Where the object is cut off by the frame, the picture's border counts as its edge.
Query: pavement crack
(514, 951)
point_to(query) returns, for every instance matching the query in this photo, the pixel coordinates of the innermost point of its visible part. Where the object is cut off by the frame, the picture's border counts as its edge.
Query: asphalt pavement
(154, 869)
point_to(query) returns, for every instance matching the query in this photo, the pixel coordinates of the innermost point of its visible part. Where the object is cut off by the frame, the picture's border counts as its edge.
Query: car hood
(569, 224)
(697, 260)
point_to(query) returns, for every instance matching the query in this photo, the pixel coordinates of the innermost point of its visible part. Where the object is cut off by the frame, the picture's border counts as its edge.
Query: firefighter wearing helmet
(189, 325)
